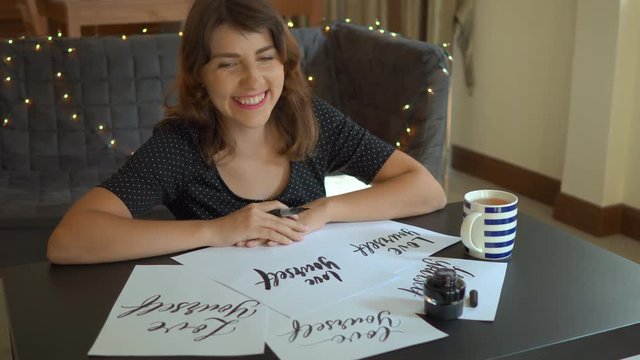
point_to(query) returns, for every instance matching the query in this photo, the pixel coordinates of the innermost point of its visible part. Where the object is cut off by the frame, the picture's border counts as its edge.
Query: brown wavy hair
(292, 115)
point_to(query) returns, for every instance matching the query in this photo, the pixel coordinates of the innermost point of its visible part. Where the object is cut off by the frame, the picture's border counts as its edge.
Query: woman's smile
(251, 102)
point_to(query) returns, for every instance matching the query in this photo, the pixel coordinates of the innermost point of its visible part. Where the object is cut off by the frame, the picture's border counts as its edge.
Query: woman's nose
(251, 76)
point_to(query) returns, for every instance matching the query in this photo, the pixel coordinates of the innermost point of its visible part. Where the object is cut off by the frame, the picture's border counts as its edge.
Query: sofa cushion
(389, 83)
(73, 104)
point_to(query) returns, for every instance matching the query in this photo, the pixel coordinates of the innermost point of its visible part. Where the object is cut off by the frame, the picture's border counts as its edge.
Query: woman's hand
(313, 219)
(253, 225)
(317, 216)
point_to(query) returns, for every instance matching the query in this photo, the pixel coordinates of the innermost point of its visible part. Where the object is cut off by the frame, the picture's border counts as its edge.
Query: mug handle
(465, 231)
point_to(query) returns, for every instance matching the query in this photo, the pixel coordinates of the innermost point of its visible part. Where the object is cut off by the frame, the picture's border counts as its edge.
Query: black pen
(287, 211)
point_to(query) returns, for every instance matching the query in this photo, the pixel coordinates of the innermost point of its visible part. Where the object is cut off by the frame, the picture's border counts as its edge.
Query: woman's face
(244, 77)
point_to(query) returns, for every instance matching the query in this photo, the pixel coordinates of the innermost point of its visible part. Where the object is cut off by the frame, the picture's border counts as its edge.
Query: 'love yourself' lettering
(224, 322)
(396, 243)
(272, 279)
(308, 333)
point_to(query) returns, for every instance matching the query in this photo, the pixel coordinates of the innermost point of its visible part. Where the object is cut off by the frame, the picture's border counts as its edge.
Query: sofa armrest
(388, 84)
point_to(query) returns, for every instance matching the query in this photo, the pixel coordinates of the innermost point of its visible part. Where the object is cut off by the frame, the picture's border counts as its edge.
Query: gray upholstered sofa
(72, 110)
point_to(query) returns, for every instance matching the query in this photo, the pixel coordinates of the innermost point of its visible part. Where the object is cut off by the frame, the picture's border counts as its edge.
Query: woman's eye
(265, 58)
(224, 65)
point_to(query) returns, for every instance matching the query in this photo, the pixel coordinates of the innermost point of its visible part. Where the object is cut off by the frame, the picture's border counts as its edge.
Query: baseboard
(583, 215)
(630, 225)
(596, 220)
(526, 182)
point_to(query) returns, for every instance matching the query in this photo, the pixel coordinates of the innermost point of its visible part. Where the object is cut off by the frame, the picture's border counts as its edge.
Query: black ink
(381, 319)
(410, 244)
(369, 247)
(272, 279)
(382, 333)
(152, 304)
(220, 323)
(325, 277)
(430, 268)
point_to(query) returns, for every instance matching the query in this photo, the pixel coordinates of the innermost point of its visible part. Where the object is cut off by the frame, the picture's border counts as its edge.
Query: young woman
(246, 137)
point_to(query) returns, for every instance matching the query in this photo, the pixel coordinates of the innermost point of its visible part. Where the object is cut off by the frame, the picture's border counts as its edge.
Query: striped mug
(489, 226)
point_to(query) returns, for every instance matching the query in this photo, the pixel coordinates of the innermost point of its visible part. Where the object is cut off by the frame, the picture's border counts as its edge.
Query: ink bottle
(444, 295)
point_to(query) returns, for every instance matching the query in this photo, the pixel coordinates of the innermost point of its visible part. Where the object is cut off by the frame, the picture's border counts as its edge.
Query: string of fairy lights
(8, 80)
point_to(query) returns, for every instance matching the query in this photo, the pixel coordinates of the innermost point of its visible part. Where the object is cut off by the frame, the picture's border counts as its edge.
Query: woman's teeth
(251, 100)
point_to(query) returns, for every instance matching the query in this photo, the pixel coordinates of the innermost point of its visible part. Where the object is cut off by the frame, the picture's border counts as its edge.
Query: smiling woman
(246, 137)
(243, 85)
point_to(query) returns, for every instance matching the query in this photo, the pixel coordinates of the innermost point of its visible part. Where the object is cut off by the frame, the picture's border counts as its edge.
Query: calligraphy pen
(287, 211)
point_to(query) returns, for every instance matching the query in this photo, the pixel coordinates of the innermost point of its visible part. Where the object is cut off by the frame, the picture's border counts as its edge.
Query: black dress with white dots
(168, 169)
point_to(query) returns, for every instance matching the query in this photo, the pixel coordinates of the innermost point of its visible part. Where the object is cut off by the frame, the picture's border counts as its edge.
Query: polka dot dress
(168, 169)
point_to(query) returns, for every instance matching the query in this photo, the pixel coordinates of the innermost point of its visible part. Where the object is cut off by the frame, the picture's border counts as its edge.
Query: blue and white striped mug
(489, 226)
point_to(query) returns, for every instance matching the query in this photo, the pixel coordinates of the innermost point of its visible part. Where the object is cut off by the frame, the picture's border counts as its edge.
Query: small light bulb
(59, 33)
(310, 78)
(8, 58)
(406, 107)
(74, 116)
(58, 74)
(124, 37)
(65, 96)
(398, 143)
(112, 142)
(347, 20)
(50, 38)
(370, 27)
(327, 28)
(445, 44)
(180, 33)
(408, 130)
(381, 31)
(450, 57)
(394, 34)
(144, 31)
(445, 71)
(5, 122)
(377, 22)
(100, 127)
(7, 79)
(10, 41)
(131, 153)
(70, 50)
(27, 101)
(430, 91)
(290, 24)
(37, 47)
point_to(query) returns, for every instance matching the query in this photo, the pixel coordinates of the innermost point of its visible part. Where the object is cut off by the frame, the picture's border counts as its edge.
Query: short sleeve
(155, 173)
(347, 147)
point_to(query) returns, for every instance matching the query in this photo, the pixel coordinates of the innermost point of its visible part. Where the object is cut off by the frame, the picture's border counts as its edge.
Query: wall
(557, 84)
(631, 194)
(519, 108)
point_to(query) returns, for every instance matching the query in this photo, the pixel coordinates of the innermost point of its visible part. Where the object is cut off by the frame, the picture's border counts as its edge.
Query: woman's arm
(100, 228)
(402, 187)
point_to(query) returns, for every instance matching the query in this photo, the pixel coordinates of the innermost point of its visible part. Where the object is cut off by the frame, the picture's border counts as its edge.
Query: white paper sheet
(169, 310)
(331, 264)
(485, 277)
(374, 322)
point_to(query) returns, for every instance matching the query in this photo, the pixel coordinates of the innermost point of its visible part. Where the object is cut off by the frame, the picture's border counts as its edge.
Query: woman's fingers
(256, 242)
(253, 226)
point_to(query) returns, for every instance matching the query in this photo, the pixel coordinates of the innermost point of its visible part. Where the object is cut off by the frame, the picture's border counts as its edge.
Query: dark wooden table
(562, 298)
